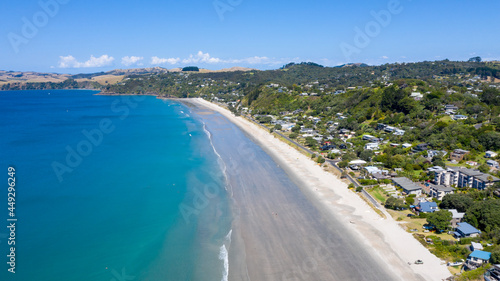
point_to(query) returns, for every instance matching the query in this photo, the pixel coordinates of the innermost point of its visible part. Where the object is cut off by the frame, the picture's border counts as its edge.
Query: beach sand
(294, 221)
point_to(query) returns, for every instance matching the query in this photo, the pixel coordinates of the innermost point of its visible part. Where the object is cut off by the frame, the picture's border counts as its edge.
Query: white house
(459, 117)
(371, 146)
(416, 95)
(490, 154)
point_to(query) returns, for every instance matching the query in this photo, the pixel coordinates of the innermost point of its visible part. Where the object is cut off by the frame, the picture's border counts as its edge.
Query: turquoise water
(110, 188)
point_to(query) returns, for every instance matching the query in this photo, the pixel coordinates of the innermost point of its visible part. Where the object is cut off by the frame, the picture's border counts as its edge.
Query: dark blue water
(110, 188)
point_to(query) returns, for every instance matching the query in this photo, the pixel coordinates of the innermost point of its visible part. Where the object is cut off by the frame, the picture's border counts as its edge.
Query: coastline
(383, 239)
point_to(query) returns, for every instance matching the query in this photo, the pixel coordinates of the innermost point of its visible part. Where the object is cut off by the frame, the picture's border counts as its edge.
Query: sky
(74, 36)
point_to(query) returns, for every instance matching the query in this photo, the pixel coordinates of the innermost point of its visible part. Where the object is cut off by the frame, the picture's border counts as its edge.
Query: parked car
(419, 262)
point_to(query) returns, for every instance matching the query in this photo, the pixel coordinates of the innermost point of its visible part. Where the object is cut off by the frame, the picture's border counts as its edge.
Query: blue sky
(72, 36)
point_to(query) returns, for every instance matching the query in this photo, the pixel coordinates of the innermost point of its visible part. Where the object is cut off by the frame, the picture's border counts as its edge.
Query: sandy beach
(295, 221)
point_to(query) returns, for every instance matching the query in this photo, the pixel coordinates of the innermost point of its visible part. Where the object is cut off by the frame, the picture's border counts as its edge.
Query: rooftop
(466, 228)
(456, 214)
(480, 255)
(442, 188)
(406, 183)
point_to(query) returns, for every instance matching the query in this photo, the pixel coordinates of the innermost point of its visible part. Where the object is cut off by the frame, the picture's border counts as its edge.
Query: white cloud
(71, 62)
(202, 57)
(131, 60)
(385, 57)
(157, 60)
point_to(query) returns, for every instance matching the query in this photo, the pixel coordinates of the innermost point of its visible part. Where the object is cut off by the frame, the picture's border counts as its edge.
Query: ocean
(111, 188)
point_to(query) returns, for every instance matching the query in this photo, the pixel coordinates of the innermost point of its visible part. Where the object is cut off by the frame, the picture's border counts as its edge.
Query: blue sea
(110, 188)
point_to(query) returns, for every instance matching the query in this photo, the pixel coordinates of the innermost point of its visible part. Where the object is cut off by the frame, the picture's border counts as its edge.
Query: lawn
(377, 193)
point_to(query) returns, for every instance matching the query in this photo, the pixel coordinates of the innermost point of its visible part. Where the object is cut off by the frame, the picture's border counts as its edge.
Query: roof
(466, 228)
(406, 184)
(427, 207)
(484, 177)
(372, 169)
(442, 188)
(470, 172)
(476, 245)
(358, 162)
(481, 255)
(456, 214)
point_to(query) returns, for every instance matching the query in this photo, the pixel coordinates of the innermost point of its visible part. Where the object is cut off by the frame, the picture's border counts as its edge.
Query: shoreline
(383, 238)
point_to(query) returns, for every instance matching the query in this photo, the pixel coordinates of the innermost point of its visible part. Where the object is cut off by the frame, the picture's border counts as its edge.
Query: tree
(394, 203)
(277, 127)
(366, 155)
(320, 160)
(490, 140)
(484, 168)
(475, 59)
(484, 215)
(440, 219)
(293, 135)
(296, 129)
(495, 257)
(343, 164)
(461, 202)
(311, 142)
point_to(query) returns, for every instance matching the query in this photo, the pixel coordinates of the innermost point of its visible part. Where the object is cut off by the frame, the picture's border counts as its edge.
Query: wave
(224, 255)
(221, 161)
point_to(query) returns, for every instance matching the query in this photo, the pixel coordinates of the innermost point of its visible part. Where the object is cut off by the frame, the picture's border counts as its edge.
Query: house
(381, 126)
(466, 177)
(479, 257)
(373, 170)
(475, 246)
(459, 117)
(371, 146)
(484, 180)
(427, 207)
(450, 107)
(490, 154)
(369, 138)
(458, 154)
(416, 95)
(399, 132)
(408, 186)
(456, 217)
(493, 273)
(492, 163)
(406, 145)
(378, 176)
(466, 230)
(357, 162)
(389, 129)
(439, 191)
(432, 153)
(421, 147)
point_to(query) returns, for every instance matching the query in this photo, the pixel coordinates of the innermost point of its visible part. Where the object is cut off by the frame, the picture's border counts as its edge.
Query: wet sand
(293, 221)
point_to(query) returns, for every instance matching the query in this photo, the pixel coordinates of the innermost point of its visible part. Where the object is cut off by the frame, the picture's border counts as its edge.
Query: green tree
(311, 142)
(484, 168)
(459, 201)
(440, 219)
(293, 135)
(484, 215)
(277, 127)
(495, 257)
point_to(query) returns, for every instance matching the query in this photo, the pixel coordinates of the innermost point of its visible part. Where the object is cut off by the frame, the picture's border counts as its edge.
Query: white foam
(222, 163)
(224, 256)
